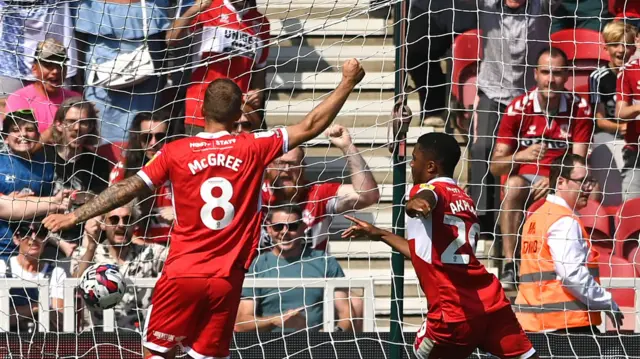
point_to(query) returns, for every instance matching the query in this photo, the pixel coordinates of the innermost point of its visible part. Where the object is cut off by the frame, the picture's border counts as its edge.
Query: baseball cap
(50, 49)
(18, 117)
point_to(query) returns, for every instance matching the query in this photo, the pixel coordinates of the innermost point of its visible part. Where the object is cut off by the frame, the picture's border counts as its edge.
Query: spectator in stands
(620, 44)
(147, 135)
(320, 201)
(44, 95)
(537, 127)
(76, 166)
(112, 27)
(30, 237)
(24, 169)
(134, 261)
(241, 54)
(287, 310)
(23, 25)
(559, 286)
(250, 120)
(522, 26)
(430, 32)
(628, 109)
(583, 14)
(21, 207)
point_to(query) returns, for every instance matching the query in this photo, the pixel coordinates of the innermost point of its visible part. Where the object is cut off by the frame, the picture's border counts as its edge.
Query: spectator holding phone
(537, 128)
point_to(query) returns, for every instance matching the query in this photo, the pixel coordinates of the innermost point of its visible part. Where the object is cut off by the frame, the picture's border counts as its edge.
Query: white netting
(307, 42)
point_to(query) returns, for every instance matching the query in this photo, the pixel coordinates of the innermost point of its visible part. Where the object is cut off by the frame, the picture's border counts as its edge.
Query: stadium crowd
(63, 114)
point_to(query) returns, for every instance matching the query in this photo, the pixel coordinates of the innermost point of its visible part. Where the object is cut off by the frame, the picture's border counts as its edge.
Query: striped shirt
(602, 90)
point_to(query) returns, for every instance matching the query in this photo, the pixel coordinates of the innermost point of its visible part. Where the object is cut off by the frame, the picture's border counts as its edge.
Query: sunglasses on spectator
(116, 220)
(278, 227)
(146, 137)
(28, 233)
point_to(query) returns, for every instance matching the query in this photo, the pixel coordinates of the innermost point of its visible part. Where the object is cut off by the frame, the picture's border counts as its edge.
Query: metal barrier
(69, 319)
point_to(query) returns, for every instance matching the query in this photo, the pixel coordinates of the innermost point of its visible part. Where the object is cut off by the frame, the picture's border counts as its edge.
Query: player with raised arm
(216, 179)
(467, 308)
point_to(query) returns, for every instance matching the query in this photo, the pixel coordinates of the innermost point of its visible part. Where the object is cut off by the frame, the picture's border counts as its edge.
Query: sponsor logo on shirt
(9, 178)
(265, 134)
(532, 130)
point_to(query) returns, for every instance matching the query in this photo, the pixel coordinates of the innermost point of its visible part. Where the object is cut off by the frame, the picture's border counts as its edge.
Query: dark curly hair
(135, 154)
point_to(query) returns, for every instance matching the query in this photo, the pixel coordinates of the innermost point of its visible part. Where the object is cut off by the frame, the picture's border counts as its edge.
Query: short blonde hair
(619, 32)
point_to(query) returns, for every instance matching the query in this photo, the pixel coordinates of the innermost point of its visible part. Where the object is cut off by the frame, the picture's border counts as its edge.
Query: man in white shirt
(559, 272)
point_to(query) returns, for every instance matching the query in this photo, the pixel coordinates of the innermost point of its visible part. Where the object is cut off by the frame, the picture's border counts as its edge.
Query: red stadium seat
(627, 227)
(596, 221)
(112, 151)
(614, 266)
(466, 52)
(585, 49)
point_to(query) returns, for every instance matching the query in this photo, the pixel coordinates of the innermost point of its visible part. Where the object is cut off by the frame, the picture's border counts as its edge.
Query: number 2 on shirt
(211, 202)
(449, 255)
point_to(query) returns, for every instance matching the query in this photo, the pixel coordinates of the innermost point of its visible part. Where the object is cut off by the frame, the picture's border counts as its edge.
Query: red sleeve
(265, 35)
(156, 171)
(509, 127)
(117, 173)
(583, 123)
(271, 144)
(322, 198)
(624, 88)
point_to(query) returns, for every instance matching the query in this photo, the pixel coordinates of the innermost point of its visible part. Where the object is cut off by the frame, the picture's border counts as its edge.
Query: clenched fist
(352, 72)
(339, 136)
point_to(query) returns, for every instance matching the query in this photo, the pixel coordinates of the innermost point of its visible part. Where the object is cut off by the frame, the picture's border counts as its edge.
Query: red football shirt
(318, 208)
(157, 231)
(216, 180)
(525, 124)
(456, 284)
(628, 90)
(230, 44)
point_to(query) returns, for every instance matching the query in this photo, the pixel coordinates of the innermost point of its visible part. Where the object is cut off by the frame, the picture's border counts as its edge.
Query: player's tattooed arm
(421, 204)
(113, 197)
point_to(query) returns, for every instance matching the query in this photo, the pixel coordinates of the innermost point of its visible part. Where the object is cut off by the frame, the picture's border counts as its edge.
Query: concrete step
(295, 42)
(334, 54)
(293, 66)
(325, 81)
(284, 112)
(286, 9)
(331, 27)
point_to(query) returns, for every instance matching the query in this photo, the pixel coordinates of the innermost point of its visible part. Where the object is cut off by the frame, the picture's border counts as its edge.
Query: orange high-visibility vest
(543, 303)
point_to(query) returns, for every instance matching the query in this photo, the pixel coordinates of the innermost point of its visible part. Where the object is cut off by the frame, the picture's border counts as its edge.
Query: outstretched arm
(362, 228)
(111, 198)
(25, 207)
(321, 117)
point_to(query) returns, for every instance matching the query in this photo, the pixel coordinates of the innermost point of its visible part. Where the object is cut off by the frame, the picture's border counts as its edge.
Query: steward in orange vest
(547, 300)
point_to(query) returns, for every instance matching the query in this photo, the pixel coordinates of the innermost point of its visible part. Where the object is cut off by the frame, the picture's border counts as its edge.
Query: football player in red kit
(467, 308)
(216, 178)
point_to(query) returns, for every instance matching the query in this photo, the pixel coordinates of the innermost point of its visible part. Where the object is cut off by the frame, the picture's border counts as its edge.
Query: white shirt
(56, 278)
(570, 252)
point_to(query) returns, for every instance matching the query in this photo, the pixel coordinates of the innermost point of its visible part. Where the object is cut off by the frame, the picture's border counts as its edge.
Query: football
(102, 286)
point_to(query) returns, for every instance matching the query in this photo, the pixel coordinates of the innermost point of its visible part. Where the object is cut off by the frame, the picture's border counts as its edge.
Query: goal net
(443, 60)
